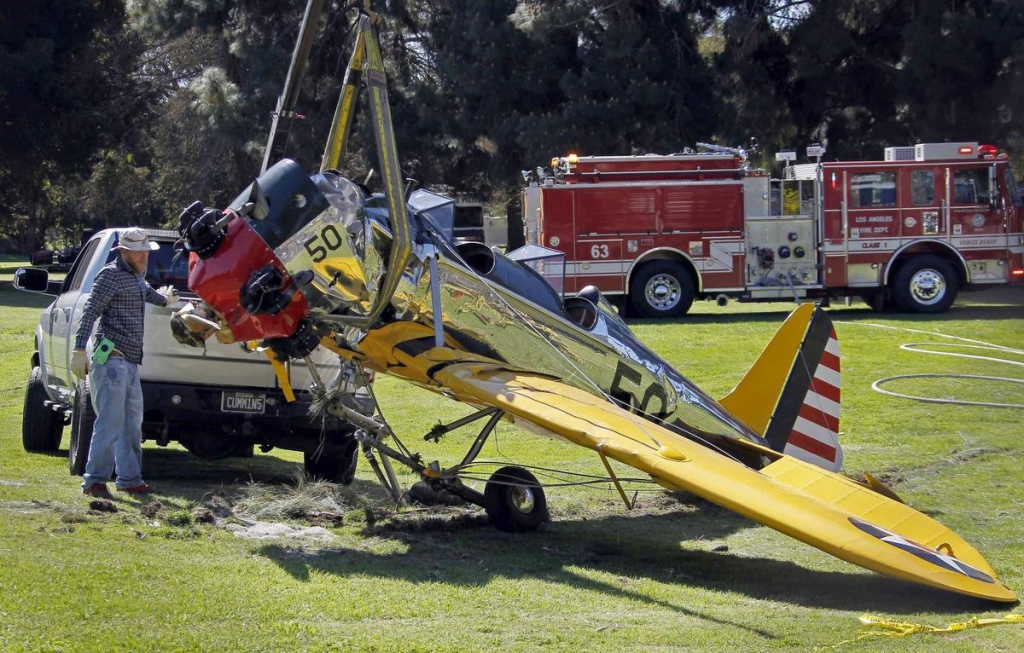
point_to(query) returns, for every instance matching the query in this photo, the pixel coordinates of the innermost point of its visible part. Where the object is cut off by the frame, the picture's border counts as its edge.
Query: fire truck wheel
(661, 289)
(925, 284)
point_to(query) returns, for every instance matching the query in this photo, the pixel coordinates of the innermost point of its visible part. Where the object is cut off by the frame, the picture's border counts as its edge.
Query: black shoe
(97, 490)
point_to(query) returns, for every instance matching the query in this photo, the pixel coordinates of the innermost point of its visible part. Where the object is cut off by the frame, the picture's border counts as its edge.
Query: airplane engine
(288, 246)
(228, 282)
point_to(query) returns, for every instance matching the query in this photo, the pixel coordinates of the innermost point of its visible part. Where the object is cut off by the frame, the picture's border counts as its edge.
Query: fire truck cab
(910, 230)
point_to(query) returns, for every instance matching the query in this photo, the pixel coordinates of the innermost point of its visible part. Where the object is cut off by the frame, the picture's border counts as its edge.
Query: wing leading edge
(821, 508)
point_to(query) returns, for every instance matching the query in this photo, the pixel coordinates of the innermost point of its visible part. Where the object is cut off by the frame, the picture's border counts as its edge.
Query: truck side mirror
(32, 280)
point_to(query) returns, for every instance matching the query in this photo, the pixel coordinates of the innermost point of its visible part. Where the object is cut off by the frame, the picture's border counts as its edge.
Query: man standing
(118, 301)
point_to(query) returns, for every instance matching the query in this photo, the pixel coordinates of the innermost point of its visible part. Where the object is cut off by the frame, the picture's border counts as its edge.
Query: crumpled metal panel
(346, 273)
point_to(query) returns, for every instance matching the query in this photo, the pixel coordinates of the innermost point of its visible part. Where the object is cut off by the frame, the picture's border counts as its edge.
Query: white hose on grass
(976, 344)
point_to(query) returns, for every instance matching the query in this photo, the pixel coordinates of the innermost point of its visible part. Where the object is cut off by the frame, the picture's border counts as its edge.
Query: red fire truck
(660, 231)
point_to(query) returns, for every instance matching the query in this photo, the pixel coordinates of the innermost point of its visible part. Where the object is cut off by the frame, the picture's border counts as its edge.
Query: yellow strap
(282, 374)
(903, 628)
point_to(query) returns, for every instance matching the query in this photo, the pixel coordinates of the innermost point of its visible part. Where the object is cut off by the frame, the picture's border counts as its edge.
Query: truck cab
(914, 230)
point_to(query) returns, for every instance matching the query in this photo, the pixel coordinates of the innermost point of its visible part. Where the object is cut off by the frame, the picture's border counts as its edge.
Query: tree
(864, 74)
(516, 83)
(174, 100)
(117, 192)
(225, 64)
(66, 90)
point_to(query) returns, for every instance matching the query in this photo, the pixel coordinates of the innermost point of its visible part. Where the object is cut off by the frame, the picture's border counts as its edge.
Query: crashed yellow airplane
(298, 262)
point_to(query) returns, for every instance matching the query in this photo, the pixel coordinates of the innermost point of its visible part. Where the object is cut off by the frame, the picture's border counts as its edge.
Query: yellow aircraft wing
(821, 508)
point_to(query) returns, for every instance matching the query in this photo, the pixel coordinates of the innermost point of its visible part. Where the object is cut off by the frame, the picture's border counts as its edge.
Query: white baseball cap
(135, 240)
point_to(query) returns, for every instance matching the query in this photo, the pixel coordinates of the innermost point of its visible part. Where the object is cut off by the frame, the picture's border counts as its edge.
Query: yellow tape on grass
(895, 628)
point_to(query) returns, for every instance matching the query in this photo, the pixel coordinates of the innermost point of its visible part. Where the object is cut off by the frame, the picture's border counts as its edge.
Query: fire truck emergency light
(966, 149)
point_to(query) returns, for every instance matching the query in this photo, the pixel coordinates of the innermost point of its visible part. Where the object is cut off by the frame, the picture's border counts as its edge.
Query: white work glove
(79, 364)
(171, 294)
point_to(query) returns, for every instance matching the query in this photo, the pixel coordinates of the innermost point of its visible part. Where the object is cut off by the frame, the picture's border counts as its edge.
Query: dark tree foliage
(109, 117)
(66, 90)
(233, 56)
(227, 62)
(863, 74)
(519, 82)
(753, 78)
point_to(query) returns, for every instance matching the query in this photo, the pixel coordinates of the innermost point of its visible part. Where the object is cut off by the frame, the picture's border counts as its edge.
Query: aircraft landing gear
(513, 497)
(515, 501)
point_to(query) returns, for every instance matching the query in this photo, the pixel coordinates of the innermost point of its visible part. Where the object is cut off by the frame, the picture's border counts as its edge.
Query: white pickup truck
(217, 402)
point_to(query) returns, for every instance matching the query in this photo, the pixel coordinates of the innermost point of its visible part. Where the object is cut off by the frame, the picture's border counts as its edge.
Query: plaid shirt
(118, 299)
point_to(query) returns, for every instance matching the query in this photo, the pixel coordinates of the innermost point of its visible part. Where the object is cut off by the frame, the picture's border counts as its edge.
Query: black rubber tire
(515, 501)
(82, 419)
(925, 284)
(336, 464)
(41, 427)
(661, 289)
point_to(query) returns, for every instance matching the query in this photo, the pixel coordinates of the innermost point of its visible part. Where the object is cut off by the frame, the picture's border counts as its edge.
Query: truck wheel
(661, 289)
(41, 428)
(925, 284)
(82, 419)
(515, 501)
(336, 464)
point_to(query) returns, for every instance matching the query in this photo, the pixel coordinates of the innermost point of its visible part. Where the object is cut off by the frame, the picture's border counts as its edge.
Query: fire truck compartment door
(924, 195)
(973, 218)
(598, 262)
(873, 212)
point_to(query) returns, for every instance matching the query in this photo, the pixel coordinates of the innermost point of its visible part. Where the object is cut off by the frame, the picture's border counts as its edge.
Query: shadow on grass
(460, 547)
(187, 473)
(178, 477)
(470, 553)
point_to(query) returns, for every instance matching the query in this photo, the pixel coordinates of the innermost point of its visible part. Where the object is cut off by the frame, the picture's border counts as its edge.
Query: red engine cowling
(222, 279)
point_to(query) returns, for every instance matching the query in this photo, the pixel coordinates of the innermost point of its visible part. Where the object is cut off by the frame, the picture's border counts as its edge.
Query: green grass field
(170, 573)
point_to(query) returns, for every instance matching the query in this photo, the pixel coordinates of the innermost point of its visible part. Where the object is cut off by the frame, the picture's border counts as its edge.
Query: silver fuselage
(490, 306)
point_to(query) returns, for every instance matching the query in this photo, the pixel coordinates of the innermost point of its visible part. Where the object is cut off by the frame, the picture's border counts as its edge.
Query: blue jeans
(117, 433)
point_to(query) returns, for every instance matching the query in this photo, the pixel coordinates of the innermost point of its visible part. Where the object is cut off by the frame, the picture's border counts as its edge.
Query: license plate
(243, 402)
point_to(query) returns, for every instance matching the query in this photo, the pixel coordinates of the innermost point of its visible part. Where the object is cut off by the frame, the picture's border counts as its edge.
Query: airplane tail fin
(791, 393)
